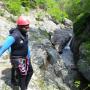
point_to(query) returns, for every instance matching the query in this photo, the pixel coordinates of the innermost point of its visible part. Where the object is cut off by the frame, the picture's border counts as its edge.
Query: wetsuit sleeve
(8, 42)
(28, 53)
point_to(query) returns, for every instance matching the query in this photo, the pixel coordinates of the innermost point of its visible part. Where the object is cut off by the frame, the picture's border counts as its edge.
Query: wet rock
(59, 39)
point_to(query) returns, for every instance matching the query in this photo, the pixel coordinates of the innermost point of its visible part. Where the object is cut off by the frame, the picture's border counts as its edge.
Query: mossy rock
(84, 61)
(81, 23)
(85, 51)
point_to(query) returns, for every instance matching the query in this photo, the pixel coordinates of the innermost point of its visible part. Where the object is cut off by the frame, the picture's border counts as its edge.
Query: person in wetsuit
(17, 41)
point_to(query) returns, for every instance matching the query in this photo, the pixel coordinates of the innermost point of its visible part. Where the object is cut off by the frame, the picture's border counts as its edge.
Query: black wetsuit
(19, 50)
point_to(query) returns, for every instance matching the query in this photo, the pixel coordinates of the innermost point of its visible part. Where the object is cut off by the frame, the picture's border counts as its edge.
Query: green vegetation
(73, 8)
(54, 10)
(81, 23)
(1, 12)
(16, 7)
(52, 7)
(58, 9)
(86, 51)
(77, 85)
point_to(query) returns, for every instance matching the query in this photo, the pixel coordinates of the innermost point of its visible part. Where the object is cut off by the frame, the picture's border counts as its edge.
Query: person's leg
(21, 79)
(29, 75)
(14, 72)
(14, 83)
(22, 83)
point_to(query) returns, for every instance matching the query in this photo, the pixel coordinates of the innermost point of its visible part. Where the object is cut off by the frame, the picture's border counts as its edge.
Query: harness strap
(21, 63)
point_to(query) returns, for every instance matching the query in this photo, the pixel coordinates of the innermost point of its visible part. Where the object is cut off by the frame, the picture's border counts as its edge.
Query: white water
(67, 55)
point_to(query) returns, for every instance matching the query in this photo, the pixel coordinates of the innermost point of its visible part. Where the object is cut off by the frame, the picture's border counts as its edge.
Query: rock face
(84, 61)
(80, 47)
(60, 38)
(5, 65)
(81, 30)
(47, 63)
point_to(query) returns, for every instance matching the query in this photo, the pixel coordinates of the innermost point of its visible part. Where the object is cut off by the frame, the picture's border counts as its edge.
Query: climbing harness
(20, 63)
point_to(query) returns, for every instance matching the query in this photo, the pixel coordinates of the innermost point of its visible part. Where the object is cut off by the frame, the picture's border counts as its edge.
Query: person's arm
(8, 42)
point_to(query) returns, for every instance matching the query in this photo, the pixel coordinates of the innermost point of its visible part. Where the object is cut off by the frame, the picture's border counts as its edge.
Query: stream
(67, 55)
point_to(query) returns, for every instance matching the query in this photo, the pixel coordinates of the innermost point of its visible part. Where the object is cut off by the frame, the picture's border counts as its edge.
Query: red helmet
(22, 20)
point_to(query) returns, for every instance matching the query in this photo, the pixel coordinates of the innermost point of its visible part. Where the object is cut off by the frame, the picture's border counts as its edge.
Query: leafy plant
(41, 3)
(54, 10)
(13, 7)
(17, 7)
(52, 7)
(81, 23)
(1, 12)
(77, 83)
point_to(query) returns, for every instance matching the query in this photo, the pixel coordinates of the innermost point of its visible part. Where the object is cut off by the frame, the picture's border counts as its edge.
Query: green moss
(87, 46)
(2, 12)
(86, 52)
(80, 24)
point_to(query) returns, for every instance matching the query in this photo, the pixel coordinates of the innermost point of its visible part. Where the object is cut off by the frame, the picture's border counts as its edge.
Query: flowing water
(67, 55)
